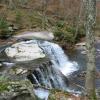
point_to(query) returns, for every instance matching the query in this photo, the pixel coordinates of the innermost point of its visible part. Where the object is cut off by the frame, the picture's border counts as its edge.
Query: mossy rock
(4, 87)
(25, 96)
(61, 95)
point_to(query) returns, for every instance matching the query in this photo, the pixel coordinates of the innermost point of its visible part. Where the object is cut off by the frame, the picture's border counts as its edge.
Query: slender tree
(11, 4)
(78, 21)
(90, 19)
(44, 5)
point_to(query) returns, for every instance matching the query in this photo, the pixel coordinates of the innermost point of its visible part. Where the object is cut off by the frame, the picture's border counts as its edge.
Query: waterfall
(48, 76)
(58, 58)
(54, 73)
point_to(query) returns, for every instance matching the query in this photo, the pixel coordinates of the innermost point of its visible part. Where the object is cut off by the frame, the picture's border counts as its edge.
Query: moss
(3, 23)
(4, 86)
(4, 31)
(2, 78)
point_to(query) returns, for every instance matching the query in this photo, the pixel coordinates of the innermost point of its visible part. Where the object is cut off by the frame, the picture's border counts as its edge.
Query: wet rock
(12, 28)
(83, 75)
(24, 96)
(98, 93)
(60, 95)
(17, 71)
(16, 90)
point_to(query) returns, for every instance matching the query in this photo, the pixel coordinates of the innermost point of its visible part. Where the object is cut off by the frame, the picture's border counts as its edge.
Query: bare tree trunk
(44, 4)
(90, 16)
(78, 21)
(11, 4)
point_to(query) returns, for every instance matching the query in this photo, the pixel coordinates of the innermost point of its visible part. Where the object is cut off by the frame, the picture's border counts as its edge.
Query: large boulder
(35, 35)
(16, 90)
(24, 51)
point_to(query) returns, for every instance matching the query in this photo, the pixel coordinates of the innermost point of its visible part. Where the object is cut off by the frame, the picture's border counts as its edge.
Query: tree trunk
(44, 5)
(11, 4)
(90, 16)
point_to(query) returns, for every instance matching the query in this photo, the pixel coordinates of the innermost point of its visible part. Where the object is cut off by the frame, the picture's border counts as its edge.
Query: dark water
(81, 59)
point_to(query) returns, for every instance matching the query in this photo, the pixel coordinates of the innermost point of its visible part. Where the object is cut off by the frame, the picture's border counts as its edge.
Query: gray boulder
(24, 51)
(35, 35)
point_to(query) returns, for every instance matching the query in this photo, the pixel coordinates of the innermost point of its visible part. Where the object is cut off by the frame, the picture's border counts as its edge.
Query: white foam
(41, 93)
(69, 68)
(8, 64)
(59, 59)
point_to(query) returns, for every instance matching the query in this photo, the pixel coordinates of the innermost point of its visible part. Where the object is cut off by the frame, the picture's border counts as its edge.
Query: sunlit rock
(24, 51)
(81, 44)
(35, 35)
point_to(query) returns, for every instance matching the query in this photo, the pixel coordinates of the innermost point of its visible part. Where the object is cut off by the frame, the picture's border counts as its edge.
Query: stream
(59, 70)
(80, 58)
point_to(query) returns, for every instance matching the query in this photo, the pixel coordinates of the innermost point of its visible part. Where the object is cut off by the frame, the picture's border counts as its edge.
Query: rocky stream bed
(38, 69)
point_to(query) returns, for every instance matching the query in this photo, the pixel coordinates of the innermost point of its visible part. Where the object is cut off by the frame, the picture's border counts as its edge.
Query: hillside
(39, 15)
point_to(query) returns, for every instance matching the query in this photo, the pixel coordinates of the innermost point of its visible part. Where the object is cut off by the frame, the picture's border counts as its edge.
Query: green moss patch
(3, 86)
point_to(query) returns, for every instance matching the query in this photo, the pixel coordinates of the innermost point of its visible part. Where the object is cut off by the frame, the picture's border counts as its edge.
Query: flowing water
(53, 74)
(58, 58)
(58, 70)
(81, 60)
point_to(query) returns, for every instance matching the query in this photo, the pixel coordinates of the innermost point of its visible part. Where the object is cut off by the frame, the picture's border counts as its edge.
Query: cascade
(58, 58)
(53, 74)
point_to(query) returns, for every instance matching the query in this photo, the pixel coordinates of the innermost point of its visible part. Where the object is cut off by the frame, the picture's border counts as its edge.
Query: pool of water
(81, 60)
